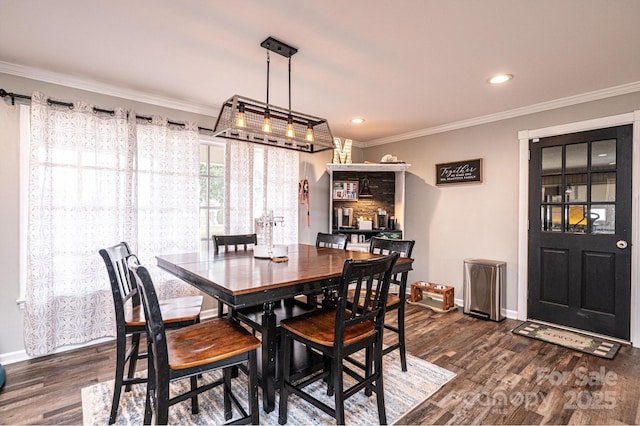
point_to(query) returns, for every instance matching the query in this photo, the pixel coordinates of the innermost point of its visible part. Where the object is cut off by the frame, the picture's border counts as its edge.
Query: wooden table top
(238, 272)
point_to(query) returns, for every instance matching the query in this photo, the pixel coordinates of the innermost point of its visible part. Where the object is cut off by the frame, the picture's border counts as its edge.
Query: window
(211, 190)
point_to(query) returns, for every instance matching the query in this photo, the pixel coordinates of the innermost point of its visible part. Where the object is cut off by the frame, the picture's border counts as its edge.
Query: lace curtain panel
(259, 178)
(95, 180)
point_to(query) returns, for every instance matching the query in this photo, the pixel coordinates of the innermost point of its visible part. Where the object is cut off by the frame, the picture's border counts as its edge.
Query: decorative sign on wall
(468, 171)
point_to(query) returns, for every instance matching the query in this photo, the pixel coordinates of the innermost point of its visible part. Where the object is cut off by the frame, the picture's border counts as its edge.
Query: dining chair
(338, 333)
(130, 318)
(188, 352)
(232, 243)
(338, 241)
(253, 317)
(397, 293)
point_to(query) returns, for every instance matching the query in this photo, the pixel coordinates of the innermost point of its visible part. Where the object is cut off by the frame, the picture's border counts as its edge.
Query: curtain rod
(13, 96)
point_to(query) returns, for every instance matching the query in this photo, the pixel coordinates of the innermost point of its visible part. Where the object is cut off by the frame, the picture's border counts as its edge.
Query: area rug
(403, 392)
(569, 339)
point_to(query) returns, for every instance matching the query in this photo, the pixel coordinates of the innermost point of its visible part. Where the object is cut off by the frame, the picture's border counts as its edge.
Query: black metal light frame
(255, 111)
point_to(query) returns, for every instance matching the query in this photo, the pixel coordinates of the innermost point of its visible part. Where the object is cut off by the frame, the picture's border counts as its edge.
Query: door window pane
(576, 219)
(576, 190)
(576, 157)
(552, 160)
(551, 218)
(603, 187)
(552, 189)
(603, 154)
(603, 218)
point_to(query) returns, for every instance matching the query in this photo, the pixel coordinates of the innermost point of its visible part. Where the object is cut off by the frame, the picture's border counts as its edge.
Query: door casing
(523, 207)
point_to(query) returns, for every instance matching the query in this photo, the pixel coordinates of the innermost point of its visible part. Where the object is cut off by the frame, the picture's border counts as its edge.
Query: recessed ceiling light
(500, 78)
(357, 120)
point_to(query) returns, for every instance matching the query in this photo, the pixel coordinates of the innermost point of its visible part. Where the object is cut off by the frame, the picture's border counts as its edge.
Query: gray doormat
(569, 339)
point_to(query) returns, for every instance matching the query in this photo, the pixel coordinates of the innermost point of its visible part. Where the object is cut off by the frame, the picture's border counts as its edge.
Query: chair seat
(393, 300)
(208, 342)
(319, 327)
(179, 309)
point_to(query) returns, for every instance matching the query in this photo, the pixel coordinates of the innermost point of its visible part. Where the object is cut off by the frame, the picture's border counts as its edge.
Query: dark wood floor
(501, 378)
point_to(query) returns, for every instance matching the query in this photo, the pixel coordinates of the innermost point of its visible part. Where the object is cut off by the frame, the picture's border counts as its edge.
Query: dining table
(241, 280)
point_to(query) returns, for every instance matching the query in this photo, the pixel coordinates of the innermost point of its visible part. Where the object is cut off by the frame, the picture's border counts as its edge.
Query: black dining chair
(397, 294)
(232, 243)
(252, 316)
(130, 318)
(338, 241)
(188, 352)
(338, 333)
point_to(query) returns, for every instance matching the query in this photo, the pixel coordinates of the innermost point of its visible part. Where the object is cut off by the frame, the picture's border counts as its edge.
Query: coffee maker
(382, 219)
(344, 218)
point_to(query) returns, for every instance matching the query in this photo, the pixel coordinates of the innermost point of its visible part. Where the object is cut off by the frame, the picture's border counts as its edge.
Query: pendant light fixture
(249, 120)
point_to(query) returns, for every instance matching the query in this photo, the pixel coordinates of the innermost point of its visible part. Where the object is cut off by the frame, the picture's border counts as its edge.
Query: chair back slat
(338, 241)
(370, 281)
(233, 242)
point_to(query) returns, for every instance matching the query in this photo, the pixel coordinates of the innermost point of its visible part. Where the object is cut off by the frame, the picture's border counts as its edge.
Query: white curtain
(93, 179)
(168, 195)
(259, 178)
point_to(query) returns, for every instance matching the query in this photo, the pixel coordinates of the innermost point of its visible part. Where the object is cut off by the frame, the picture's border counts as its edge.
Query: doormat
(569, 339)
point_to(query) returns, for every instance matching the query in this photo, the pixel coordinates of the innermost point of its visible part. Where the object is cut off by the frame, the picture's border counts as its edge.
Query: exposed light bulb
(310, 137)
(291, 133)
(241, 120)
(266, 124)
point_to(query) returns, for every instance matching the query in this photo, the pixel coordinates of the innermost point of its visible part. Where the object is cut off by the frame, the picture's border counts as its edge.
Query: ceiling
(406, 66)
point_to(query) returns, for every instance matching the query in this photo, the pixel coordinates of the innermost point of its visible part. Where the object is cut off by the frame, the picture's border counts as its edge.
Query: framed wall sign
(469, 171)
(345, 190)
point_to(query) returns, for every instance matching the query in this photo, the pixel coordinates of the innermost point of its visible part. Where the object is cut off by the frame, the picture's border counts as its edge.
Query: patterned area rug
(403, 392)
(569, 339)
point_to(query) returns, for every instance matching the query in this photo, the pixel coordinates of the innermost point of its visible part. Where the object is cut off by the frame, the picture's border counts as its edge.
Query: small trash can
(484, 288)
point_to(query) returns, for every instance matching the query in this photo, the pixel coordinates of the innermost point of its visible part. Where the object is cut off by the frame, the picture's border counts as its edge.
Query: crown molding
(104, 89)
(518, 112)
(138, 96)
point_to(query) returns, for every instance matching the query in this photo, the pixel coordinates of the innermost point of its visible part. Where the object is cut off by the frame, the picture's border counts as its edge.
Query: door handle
(622, 244)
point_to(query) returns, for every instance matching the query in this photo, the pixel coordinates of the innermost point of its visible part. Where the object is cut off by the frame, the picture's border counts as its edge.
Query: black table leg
(268, 358)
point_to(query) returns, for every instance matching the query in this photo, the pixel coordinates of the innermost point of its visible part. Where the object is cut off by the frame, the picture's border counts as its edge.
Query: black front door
(580, 230)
